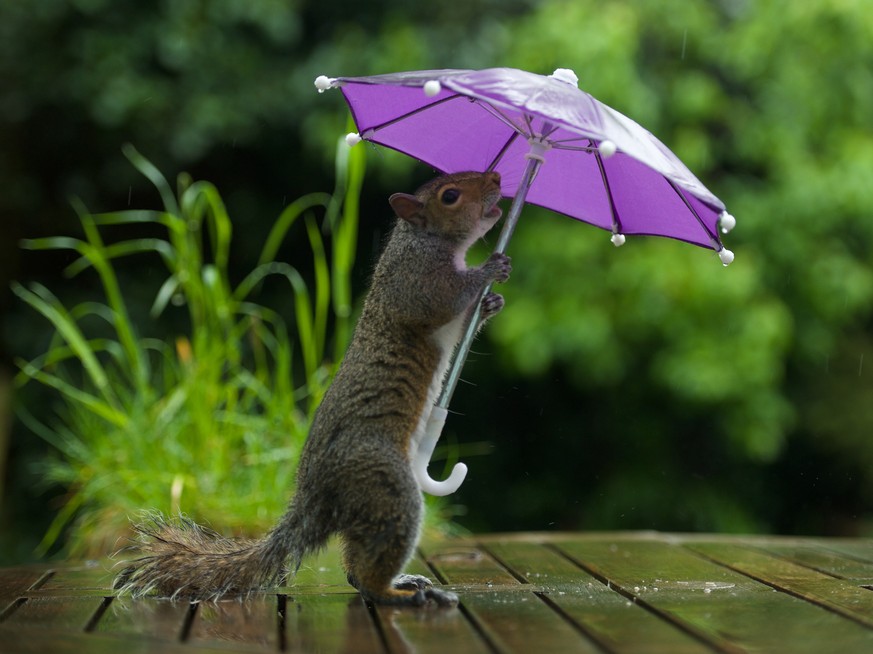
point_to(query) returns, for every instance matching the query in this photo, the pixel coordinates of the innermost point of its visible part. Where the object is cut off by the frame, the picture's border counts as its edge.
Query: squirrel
(354, 476)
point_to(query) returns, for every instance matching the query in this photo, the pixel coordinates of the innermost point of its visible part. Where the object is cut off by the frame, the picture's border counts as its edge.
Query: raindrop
(726, 221)
(129, 193)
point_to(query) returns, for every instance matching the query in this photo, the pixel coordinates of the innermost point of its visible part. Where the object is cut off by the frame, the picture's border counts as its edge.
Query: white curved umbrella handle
(426, 443)
(423, 452)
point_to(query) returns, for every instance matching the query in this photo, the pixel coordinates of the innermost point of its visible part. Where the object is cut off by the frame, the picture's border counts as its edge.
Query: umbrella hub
(539, 145)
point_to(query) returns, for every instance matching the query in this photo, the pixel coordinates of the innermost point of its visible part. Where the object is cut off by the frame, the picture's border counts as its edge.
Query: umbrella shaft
(472, 325)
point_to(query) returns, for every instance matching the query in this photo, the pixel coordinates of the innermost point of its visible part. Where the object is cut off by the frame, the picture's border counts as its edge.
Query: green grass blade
(322, 286)
(286, 220)
(62, 353)
(154, 175)
(44, 301)
(203, 196)
(127, 248)
(123, 325)
(164, 296)
(302, 306)
(134, 216)
(52, 243)
(94, 404)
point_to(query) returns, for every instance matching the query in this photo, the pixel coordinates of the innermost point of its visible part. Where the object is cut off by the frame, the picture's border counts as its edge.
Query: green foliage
(213, 424)
(770, 104)
(641, 387)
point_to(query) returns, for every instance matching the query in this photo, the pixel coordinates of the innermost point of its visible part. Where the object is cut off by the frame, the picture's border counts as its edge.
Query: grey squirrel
(354, 478)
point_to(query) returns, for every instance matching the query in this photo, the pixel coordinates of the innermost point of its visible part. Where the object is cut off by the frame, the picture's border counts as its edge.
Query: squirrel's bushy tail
(181, 559)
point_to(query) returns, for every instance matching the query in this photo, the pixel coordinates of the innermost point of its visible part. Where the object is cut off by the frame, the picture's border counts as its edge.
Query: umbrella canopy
(553, 145)
(601, 167)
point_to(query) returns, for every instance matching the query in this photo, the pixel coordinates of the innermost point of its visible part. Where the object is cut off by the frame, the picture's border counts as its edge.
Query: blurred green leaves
(646, 377)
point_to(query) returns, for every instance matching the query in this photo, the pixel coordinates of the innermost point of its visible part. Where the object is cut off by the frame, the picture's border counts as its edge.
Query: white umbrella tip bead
(726, 221)
(618, 240)
(726, 256)
(607, 149)
(352, 139)
(432, 87)
(323, 83)
(565, 75)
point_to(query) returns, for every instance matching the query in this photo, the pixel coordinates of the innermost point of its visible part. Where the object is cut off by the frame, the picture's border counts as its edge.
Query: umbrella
(554, 146)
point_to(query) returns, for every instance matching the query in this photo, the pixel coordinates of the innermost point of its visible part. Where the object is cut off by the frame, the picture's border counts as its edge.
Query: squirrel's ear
(408, 207)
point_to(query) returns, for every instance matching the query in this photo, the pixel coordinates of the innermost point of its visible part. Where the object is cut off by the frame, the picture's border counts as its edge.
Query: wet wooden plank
(820, 557)
(508, 614)
(839, 595)
(713, 602)
(159, 619)
(246, 625)
(434, 629)
(94, 576)
(430, 631)
(14, 584)
(329, 624)
(35, 641)
(65, 613)
(860, 549)
(637, 592)
(606, 616)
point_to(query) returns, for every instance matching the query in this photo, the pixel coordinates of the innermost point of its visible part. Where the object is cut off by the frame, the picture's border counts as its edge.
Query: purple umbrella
(603, 168)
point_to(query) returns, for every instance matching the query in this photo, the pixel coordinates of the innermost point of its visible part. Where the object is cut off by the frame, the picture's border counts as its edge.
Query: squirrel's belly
(445, 338)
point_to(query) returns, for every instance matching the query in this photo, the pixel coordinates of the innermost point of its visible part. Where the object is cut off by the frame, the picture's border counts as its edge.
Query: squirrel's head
(461, 206)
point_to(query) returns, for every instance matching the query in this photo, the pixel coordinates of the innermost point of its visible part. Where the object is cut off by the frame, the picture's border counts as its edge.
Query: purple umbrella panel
(554, 146)
(602, 167)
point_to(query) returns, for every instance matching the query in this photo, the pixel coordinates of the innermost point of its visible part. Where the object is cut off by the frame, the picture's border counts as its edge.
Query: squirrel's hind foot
(412, 582)
(409, 590)
(410, 597)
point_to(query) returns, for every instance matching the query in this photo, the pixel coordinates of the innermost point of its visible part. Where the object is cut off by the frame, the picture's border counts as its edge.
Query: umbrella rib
(548, 127)
(616, 221)
(559, 145)
(502, 117)
(712, 237)
(499, 156)
(415, 111)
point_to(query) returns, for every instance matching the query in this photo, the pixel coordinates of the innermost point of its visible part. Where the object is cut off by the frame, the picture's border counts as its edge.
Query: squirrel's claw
(492, 304)
(412, 582)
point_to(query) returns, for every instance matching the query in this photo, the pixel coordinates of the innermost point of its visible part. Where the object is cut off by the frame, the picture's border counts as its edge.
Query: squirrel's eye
(450, 196)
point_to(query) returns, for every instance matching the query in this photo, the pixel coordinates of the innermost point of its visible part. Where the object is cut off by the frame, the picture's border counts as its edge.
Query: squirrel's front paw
(492, 304)
(499, 266)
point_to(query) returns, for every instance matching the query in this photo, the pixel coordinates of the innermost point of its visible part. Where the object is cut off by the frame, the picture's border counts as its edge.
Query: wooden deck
(531, 593)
